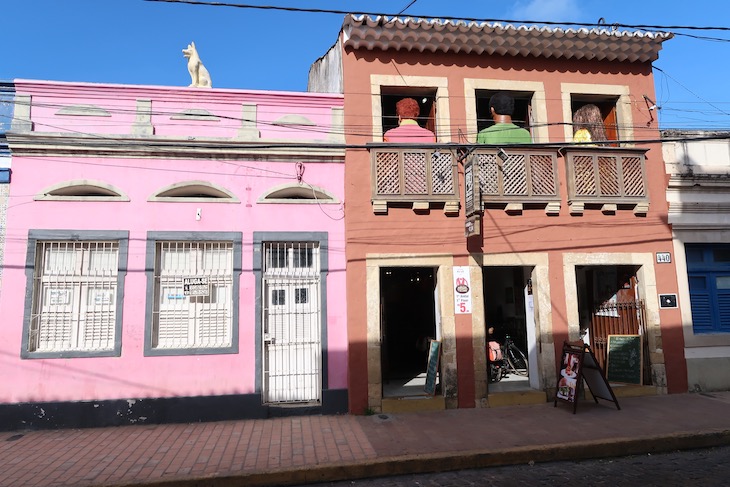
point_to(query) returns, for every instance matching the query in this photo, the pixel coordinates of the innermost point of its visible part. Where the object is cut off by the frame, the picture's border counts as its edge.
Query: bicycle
(505, 358)
(516, 360)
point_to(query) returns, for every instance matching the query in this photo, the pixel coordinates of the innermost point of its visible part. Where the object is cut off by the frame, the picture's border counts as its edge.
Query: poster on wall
(462, 290)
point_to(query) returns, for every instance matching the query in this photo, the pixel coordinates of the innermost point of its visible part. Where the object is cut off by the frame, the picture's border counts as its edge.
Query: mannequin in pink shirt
(408, 129)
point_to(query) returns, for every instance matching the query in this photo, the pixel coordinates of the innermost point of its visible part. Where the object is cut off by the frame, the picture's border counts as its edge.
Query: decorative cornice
(161, 147)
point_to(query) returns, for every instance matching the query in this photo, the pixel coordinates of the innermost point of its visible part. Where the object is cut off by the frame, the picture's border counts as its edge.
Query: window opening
(193, 295)
(708, 272)
(607, 105)
(74, 296)
(522, 115)
(426, 98)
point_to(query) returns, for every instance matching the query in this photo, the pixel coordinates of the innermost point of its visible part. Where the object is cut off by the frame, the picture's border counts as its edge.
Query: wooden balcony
(420, 178)
(512, 178)
(516, 177)
(606, 177)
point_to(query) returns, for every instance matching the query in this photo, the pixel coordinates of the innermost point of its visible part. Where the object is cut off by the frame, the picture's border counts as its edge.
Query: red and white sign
(462, 290)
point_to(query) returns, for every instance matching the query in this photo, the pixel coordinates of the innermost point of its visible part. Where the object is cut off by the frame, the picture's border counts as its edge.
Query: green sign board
(624, 359)
(432, 367)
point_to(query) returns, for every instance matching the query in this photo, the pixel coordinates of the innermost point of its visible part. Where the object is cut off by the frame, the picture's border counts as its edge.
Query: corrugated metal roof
(424, 35)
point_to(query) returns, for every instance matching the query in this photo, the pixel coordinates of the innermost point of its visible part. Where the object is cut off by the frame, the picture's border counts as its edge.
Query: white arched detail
(300, 193)
(193, 191)
(82, 190)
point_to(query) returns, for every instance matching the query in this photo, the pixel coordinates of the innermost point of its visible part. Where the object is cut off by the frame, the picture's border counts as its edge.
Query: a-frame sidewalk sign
(577, 365)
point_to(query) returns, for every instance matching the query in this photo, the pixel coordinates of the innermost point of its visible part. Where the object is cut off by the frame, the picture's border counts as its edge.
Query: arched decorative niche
(195, 191)
(299, 194)
(82, 190)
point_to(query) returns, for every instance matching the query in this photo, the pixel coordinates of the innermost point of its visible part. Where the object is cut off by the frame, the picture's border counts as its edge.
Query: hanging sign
(472, 226)
(472, 199)
(462, 290)
(196, 286)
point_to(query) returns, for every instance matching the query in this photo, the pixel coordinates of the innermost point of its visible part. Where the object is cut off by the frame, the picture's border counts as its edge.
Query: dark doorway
(609, 303)
(504, 303)
(407, 320)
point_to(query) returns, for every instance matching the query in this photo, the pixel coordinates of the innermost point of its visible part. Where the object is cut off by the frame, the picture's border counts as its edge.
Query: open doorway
(408, 322)
(510, 315)
(609, 303)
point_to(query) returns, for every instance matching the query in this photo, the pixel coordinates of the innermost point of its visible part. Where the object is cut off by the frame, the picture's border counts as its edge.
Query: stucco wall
(403, 231)
(132, 375)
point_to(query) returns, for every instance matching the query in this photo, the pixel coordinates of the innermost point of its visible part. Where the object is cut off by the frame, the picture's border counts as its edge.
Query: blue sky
(139, 42)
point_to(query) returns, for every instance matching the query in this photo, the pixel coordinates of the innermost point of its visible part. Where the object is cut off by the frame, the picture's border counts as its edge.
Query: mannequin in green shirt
(502, 105)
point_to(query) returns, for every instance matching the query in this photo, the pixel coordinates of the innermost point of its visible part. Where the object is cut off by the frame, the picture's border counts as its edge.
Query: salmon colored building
(568, 241)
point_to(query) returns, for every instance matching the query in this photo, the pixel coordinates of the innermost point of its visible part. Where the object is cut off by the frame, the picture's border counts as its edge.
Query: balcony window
(522, 115)
(607, 105)
(426, 98)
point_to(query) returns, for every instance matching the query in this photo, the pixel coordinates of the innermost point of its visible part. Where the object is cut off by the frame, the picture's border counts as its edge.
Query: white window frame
(624, 117)
(85, 323)
(538, 124)
(439, 84)
(187, 333)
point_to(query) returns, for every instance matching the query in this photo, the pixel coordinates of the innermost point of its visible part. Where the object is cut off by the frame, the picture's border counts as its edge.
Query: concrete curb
(448, 461)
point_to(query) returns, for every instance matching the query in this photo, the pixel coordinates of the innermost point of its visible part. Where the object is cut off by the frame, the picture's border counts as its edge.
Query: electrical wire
(468, 19)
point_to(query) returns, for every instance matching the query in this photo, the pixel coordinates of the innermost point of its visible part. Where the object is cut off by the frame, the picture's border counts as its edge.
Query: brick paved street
(297, 450)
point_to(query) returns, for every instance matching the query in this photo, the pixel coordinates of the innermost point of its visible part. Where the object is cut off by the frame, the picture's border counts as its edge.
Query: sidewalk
(293, 451)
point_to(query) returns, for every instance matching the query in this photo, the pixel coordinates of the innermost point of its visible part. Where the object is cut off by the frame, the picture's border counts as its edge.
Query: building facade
(173, 254)
(697, 164)
(560, 233)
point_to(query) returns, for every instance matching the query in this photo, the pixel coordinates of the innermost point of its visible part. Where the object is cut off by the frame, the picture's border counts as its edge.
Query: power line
(468, 19)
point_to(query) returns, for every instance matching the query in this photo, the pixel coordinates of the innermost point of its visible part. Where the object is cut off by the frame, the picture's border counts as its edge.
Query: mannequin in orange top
(408, 129)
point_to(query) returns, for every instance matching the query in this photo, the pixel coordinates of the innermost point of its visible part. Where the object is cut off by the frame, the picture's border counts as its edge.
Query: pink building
(172, 254)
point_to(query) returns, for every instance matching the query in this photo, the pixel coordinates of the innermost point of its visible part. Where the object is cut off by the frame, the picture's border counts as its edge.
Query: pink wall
(132, 375)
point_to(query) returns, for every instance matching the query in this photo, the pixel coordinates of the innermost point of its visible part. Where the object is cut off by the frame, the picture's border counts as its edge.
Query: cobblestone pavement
(708, 468)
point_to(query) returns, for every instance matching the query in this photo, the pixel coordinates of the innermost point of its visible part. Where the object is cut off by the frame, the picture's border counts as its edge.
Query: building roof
(455, 36)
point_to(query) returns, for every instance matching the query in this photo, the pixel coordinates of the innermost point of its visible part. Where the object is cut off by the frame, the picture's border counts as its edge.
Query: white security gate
(74, 301)
(187, 315)
(291, 322)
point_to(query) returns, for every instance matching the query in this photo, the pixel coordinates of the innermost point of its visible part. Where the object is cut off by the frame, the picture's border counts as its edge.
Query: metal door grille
(291, 322)
(74, 296)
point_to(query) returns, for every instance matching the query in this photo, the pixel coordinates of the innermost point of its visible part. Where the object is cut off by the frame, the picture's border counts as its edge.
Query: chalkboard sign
(432, 366)
(624, 359)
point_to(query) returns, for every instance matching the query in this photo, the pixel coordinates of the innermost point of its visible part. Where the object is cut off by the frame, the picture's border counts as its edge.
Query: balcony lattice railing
(512, 177)
(522, 175)
(606, 175)
(419, 176)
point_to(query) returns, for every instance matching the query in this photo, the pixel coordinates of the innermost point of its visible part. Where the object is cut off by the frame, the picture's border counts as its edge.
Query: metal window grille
(292, 308)
(74, 304)
(193, 316)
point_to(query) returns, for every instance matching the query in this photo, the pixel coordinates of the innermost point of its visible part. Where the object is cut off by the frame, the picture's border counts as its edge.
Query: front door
(291, 322)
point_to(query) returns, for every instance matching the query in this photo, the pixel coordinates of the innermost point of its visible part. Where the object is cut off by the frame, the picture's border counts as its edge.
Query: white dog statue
(200, 78)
